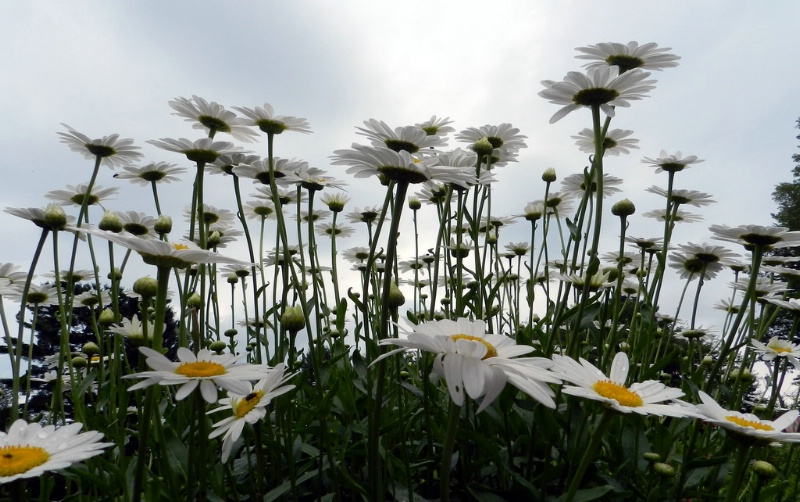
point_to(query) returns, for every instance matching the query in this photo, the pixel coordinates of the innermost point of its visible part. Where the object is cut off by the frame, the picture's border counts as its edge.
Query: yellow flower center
(620, 394)
(247, 403)
(180, 247)
(490, 350)
(779, 346)
(19, 459)
(200, 369)
(749, 423)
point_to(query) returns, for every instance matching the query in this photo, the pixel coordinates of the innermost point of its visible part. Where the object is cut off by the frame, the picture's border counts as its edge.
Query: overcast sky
(111, 67)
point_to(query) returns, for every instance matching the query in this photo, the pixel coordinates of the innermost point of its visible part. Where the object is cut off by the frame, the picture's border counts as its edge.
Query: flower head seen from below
(75, 195)
(750, 236)
(747, 424)
(682, 197)
(671, 163)
(776, 348)
(645, 398)
(265, 119)
(164, 254)
(409, 139)
(204, 150)
(154, 172)
(212, 117)
(206, 370)
(436, 126)
(628, 56)
(50, 218)
(602, 86)
(30, 450)
(112, 150)
(477, 363)
(504, 139)
(248, 408)
(616, 141)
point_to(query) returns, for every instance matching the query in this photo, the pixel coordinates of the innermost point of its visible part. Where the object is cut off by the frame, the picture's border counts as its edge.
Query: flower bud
(483, 146)
(293, 319)
(233, 278)
(79, 362)
(110, 222)
(764, 469)
(231, 332)
(54, 217)
(414, 203)
(652, 456)
(549, 175)
(90, 348)
(396, 298)
(146, 286)
(106, 317)
(214, 239)
(194, 301)
(115, 275)
(623, 208)
(217, 346)
(664, 470)
(163, 225)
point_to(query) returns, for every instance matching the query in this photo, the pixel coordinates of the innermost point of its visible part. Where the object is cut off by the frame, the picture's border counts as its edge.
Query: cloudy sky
(111, 67)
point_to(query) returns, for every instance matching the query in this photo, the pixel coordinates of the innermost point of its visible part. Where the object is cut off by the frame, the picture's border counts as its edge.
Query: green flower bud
(549, 175)
(623, 208)
(54, 217)
(110, 222)
(233, 278)
(231, 332)
(707, 361)
(664, 470)
(414, 203)
(217, 346)
(214, 239)
(163, 225)
(90, 348)
(106, 317)
(194, 301)
(146, 286)
(483, 146)
(764, 469)
(293, 319)
(652, 456)
(79, 362)
(396, 298)
(115, 275)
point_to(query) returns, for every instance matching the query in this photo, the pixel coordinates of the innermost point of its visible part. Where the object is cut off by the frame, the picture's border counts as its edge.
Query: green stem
(588, 454)
(453, 416)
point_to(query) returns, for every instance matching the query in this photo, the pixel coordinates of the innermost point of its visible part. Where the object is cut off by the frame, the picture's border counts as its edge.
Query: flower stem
(588, 454)
(454, 414)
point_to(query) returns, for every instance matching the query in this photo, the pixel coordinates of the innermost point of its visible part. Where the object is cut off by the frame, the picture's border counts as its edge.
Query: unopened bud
(106, 317)
(217, 346)
(414, 203)
(110, 222)
(194, 301)
(764, 469)
(652, 456)
(293, 319)
(483, 146)
(664, 470)
(146, 286)
(623, 208)
(396, 298)
(549, 175)
(163, 225)
(54, 217)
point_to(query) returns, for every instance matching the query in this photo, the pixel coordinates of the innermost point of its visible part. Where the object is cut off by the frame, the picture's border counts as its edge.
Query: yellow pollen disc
(490, 350)
(749, 423)
(247, 403)
(180, 247)
(19, 459)
(200, 369)
(620, 394)
(781, 350)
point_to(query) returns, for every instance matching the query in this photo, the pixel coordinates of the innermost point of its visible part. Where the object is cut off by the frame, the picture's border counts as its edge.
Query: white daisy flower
(30, 450)
(683, 197)
(672, 163)
(615, 142)
(114, 151)
(757, 235)
(206, 370)
(602, 86)
(410, 139)
(133, 329)
(776, 348)
(249, 407)
(74, 195)
(628, 56)
(153, 172)
(265, 119)
(747, 424)
(212, 117)
(204, 150)
(644, 398)
(436, 126)
(478, 363)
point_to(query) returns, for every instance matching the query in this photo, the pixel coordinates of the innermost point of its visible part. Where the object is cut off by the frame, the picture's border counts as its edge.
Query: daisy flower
(400, 166)
(628, 56)
(206, 370)
(138, 223)
(504, 138)
(680, 215)
(112, 150)
(644, 398)
(161, 253)
(329, 229)
(672, 163)
(133, 329)
(757, 235)
(151, 173)
(203, 150)
(51, 218)
(747, 424)
(778, 348)
(74, 195)
(260, 172)
(225, 163)
(258, 209)
(30, 450)
(684, 197)
(38, 294)
(335, 201)
(248, 408)
(477, 363)
(436, 126)
(212, 117)
(410, 139)
(602, 86)
(575, 184)
(265, 119)
(615, 142)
